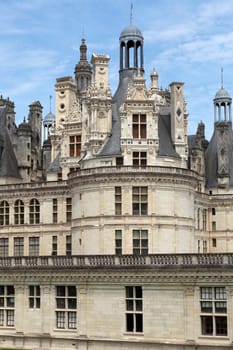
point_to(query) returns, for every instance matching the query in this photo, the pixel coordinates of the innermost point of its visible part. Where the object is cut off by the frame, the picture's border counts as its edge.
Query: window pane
(129, 305)
(10, 318)
(60, 291)
(60, 319)
(220, 293)
(61, 303)
(139, 325)
(207, 325)
(10, 290)
(129, 322)
(221, 325)
(221, 307)
(206, 293)
(206, 306)
(72, 303)
(71, 320)
(72, 291)
(138, 305)
(138, 292)
(129, 292)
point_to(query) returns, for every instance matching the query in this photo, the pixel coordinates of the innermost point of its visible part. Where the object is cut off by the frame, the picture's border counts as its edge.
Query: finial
(50, 97)
(131, 13)
(221, 78)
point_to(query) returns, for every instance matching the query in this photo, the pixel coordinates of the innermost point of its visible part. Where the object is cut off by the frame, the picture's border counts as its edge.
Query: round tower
(222, 106)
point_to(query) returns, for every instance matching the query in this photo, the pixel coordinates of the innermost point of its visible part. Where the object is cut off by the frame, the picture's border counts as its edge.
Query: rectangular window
(198, 246)
(118, 201)
(140, 242)
(139, 158)
(4, 213)
(118, 242)
(68, 209)
(140, 199)
(213, 211)
(68, 245)
(66, 305)
(7, 304)
(204, 219)
(134, 309)
(54, 245)
(213, 302)
(34, 297)
(204, 246)
(198, 218)
(139, 126)
(18, 246)
(4, 247)
(214, 242)
(213, 225)
(75, 146)
(54, 210)
(34, 246)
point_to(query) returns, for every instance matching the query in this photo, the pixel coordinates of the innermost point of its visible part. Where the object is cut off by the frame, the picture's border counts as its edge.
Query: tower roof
(131, 32)
(50, 117)
(222, 94)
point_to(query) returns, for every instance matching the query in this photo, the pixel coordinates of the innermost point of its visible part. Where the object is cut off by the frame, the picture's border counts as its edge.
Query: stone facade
(115, 225)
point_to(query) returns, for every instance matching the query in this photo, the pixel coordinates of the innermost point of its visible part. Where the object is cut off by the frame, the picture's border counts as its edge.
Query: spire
(50, 98)
(131, 14)
(222, 78)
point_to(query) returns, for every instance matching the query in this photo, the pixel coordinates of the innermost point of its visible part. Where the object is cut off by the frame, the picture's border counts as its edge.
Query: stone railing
(132, 169)
(113, 261)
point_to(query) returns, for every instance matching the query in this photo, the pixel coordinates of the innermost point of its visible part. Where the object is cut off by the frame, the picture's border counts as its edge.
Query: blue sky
(184, 40)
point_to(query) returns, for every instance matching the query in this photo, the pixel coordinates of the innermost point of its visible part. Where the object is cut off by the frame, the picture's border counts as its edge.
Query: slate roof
(55, 165)
(211, 159)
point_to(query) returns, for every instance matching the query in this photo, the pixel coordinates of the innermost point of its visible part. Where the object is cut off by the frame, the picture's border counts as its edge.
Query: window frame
(139, 126)
(34, 211)
(134, 309)
(140, 200)
(4, 213)
(4, 246)
(66, 307)
(18, 246)
(140, 242)
(118, 200)
(7, 306)
(75, 143)
(19, 212)
(34, 246)
(139, 158)
(213, 309)
(34, 295)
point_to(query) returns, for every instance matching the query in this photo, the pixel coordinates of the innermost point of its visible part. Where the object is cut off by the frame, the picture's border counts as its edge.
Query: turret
(219, 165)
(83, 70)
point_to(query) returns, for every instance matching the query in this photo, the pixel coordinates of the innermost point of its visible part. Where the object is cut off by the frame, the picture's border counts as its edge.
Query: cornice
(135, 176)
(145, 276)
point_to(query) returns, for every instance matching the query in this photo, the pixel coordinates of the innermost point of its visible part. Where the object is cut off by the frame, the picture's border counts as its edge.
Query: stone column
(189, 313)
(47, 308)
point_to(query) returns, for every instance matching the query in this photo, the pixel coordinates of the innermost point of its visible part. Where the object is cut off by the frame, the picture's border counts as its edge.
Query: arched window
(4, 213)
(34, 211)
(19, 212)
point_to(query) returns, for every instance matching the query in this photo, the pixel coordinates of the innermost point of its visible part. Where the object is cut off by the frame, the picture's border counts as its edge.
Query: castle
(116, 227)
